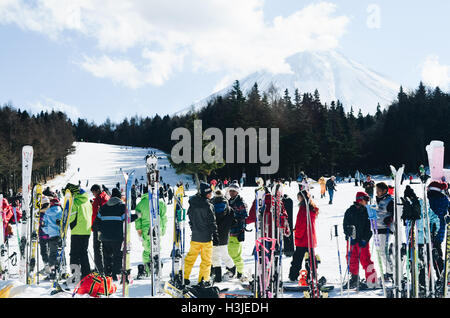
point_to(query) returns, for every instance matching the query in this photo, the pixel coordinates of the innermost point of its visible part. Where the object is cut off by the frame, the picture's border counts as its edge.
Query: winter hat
(54, 202)
(74, 189)
(45, 200)
(362, 196)
(218, 193)
(437, 186)
(116, 193)
(234, 187)
(205, 188)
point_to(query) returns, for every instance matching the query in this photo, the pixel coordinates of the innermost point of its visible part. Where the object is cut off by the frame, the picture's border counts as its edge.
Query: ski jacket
(331, 185)
(439, 203)
(202, 220)
(81, 215)
(7, 212)
(224, 219)
(357, 216)
(301, 226)
(385, 212)
(51, 221)
(239, 209)
(109, 220)
(99, 200)
(143, 212)
(42, 234)
(368, 187)
(434, 223)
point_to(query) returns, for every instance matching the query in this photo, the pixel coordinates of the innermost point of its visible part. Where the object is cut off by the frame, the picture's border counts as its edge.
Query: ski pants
(235, 251)
(386, 252)
(112, 257)
(331, 193)
(79, 253)
(362, 255)
(296, 263)
(98, 252)
(322, 190)
(146, 244)
(219, 255)
(49, 250)
(205, 251)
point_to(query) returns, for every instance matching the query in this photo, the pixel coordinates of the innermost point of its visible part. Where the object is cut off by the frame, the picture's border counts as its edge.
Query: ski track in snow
(100, 163)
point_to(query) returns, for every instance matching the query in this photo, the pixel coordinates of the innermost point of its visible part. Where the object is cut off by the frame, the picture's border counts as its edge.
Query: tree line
(50, 134)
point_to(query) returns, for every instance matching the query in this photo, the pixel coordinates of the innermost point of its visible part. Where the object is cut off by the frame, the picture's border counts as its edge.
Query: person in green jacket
(143, 226)
(80, 222)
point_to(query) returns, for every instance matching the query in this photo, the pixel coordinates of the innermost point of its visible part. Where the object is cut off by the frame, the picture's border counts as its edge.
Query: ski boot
(230, 273)
(141, 272)
(216, 276)
(354, 280)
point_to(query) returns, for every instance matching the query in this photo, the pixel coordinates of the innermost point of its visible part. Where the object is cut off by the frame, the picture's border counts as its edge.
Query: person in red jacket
(101, 197)
(8, 215)
(305, 238)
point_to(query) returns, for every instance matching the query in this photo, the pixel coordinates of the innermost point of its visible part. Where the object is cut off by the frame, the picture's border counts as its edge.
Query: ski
(34, 236)
(126, 268)
(154, 232)
(177, 254)
(397, 222)
(3, 249)
(27, 164)
(61, 259)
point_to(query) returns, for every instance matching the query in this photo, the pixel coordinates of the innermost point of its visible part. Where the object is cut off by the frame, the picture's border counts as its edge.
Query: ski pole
(339, 254)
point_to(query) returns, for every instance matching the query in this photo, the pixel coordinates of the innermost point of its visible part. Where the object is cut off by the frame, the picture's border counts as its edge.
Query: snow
(335, 76)
(100, 163)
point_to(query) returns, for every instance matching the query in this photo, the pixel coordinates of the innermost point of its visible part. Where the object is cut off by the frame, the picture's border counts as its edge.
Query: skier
(101, 197)
(302, 236)
(224, 220)
(322, 183)
(237, 233)
(109, 224)
(288, 248)
(202, 222)
(359, 251)
(51, 228)
(80, 227)
(385, 215)
(331, 187)
(142, 225)
(133, 197)
(43, 237)
(369, 186)
(357, 177)
(170, 195)
(440, 204)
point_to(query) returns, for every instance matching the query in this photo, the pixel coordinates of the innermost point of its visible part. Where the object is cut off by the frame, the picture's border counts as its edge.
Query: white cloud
(49, 104)
(217, 35)
(434, 73)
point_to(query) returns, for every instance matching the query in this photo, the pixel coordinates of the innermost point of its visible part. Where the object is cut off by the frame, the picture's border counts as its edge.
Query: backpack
(95, 285)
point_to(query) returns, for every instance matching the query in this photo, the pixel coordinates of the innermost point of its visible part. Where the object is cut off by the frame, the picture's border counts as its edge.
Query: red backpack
(95, 285)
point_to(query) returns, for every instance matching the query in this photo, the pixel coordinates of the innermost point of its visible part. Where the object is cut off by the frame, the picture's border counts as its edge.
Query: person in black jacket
(109, 224)
(358, 233)
(224, 220)
(331, 187)
(202, 221)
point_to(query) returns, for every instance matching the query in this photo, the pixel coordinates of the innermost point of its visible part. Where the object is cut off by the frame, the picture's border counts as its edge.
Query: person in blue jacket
(51, 228)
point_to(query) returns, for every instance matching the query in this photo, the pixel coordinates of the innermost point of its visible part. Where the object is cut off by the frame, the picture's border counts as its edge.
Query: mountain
(331, 73)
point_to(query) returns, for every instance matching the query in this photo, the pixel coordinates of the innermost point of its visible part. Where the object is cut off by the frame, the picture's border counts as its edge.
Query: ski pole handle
(335, 230)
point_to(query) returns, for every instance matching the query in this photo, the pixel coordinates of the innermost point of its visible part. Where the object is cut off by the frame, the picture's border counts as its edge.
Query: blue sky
(146, 56)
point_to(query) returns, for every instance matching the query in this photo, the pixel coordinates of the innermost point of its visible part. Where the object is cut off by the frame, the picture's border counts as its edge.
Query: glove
(387, 220)
(58, 222)
(362, 243)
